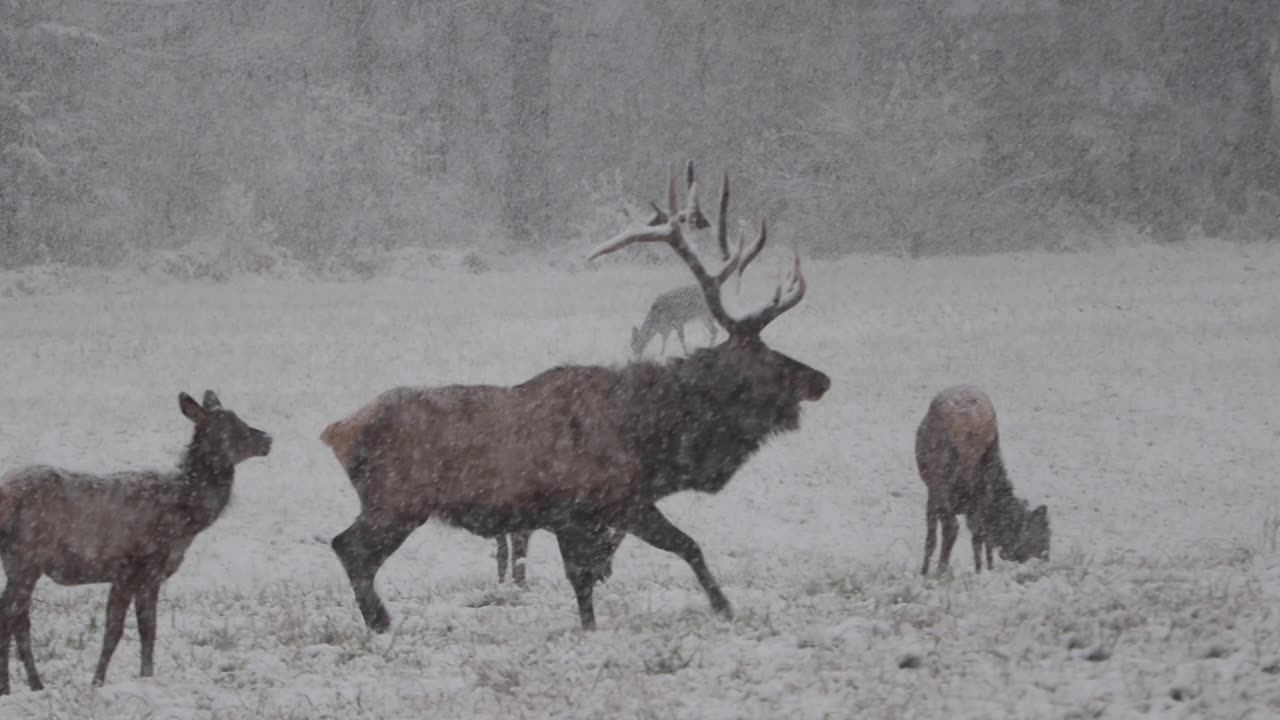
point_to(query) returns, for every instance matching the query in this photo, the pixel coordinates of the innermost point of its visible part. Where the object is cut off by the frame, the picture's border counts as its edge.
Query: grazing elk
(958, 455)
(130, 529)
(576, 449)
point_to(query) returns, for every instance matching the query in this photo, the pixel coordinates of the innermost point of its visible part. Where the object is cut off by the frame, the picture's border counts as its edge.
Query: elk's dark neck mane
(695, 420)
(1007, 510)
(204, 484)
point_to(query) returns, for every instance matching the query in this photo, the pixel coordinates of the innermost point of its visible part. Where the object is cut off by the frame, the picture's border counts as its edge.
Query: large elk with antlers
(576, 450)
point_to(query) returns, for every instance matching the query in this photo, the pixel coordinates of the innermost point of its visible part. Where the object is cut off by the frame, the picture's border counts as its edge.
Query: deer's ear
(190, 408)
(211, 401)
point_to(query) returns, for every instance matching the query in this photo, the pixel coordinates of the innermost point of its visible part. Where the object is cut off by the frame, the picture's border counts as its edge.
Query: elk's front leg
(15, 623)
(145, 606)
(117, 605)
(651, 526)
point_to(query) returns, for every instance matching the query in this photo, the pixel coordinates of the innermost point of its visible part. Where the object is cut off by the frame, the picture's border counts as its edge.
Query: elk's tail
(8, 506)
(341, 436)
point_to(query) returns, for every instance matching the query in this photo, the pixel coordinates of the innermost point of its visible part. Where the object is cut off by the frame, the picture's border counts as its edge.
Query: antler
(671, 234)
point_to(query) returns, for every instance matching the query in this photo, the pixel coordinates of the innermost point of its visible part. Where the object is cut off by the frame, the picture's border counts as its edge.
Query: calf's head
(221, 437)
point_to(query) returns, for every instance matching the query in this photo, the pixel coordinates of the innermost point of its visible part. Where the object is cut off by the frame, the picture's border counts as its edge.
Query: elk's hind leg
(502, 558)
(519, 551)
(362, 549)
(15, 624)
(931, 520)
(651, 526)
(950, 529)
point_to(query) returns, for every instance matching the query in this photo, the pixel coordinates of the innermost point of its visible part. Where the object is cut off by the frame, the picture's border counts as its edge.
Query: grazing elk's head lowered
(958, 455)
(585, 452)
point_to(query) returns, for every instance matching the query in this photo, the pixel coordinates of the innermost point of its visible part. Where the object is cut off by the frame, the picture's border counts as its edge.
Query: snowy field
(1136, 395)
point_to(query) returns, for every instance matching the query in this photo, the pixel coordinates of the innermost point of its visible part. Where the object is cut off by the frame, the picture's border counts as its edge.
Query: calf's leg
(15, 625)
(117, 606)
(145, 607)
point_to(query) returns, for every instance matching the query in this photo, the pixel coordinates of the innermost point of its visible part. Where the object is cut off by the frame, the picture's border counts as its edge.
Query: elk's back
(551, 440)
(960, 420)
(79, 527)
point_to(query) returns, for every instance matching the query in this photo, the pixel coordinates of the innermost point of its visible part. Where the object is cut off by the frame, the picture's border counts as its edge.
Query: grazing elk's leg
(950, 529)
(362, 549)
(663, 350)
(117, 606)
(519, 551)
(680, 334)
(978, 534)
(145, 607)
(651, 526)
(931, 521)
(502, 558)
(22, 638)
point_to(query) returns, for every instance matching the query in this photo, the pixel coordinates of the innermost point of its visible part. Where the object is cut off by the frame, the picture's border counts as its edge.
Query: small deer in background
(674, 309)
(958, 455)
(130, 529)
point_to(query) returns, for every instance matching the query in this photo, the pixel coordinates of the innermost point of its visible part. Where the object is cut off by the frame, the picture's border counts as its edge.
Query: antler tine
(649, 233)
(672, 209)
(722, 222)
(755, 248)
(730, 264)
(782, 301)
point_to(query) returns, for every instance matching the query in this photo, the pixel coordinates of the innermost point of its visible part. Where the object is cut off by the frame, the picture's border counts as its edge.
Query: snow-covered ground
(1136, 395)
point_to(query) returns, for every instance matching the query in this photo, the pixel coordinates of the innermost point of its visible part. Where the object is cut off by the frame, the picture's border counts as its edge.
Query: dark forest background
(332, 130)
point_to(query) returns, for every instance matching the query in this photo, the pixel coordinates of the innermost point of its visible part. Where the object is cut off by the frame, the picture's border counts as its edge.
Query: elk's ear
(211, 401)
(190, 408)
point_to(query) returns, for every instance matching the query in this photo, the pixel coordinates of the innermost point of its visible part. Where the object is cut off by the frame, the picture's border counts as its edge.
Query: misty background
(333, 133)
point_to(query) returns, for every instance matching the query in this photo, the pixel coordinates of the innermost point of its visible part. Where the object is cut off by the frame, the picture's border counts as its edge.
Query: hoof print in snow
(1098, 654)
(1272, 668)
(1216, 651)
(910, 661)
(1179, 694)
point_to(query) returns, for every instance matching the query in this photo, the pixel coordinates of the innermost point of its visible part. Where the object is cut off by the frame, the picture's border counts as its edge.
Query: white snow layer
(1136, 396)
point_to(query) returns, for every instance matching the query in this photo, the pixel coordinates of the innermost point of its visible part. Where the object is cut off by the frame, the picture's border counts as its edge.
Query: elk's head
(221, 437)
(761, 377)
(1032, 538)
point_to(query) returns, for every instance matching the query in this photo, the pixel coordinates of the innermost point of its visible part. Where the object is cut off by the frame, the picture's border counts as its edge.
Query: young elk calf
(958, 454)
(129, 529)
